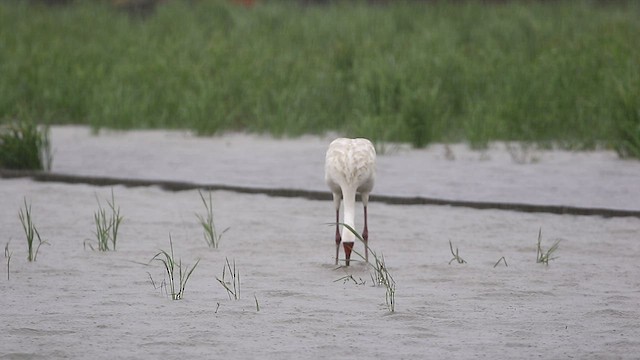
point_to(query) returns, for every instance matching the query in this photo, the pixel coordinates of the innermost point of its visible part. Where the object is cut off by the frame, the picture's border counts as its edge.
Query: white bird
(349, 169)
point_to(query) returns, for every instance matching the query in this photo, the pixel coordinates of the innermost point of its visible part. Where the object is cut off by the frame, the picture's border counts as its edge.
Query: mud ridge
(313, 195)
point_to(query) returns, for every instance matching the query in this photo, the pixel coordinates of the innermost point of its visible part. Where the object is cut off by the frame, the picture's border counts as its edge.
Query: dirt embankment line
(313, 195)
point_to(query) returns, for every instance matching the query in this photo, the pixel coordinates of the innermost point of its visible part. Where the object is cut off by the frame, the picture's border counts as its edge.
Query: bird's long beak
(348, 246)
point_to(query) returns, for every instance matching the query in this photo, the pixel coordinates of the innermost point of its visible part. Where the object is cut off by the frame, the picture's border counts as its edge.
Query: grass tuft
(233, 286)
(211, 235)
(24, 146)
(455, 254)
(170, 264)
(107, 226)
(30, 231)
(543, 257)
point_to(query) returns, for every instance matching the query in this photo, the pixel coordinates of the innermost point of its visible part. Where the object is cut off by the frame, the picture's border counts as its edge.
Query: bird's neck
(349, 201)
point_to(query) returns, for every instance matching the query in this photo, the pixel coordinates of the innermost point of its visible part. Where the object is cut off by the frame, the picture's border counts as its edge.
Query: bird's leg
(338, 237)
(348, 246)
(365, 236)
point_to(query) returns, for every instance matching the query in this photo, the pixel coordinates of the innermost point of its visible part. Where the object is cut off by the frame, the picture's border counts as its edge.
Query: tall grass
(554, 73)
(627, 142)
(25, 146)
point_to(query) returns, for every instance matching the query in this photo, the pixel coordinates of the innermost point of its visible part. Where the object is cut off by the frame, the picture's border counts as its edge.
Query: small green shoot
(30, 231)
(211, 235)
(455, 254)
(503, 259)
(543, 257)
(107, 226)
(257, 304)
(7, 255)
(171, 266)
(232, 287)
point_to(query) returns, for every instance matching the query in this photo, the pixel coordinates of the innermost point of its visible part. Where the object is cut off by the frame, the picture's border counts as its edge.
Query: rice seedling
(211, 235)
(543, 257)
(503, 259)
(107, 226)
(7, 255)
(177, 282)
(30, 231)
(257, 304)
(233, 286)
(24, 146)
(456, 255)
(381, 275)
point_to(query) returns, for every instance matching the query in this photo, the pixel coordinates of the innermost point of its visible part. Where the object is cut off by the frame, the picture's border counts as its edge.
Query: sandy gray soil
(76, 303)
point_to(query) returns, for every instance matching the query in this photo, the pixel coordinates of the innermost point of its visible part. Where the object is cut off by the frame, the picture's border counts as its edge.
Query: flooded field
(77, 303)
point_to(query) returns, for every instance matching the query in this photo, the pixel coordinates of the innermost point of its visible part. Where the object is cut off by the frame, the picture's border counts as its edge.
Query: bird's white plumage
(349, 169)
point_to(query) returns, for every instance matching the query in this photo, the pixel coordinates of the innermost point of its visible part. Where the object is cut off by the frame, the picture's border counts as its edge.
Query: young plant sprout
(30, 231)
(7, 255)
(543, 257)
(455, 254)
(232, 287)
(107, 226)
(211, 235)
(177, 282)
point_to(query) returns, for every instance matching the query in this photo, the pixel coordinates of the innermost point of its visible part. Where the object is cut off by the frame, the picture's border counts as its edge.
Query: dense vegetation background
(563, 73)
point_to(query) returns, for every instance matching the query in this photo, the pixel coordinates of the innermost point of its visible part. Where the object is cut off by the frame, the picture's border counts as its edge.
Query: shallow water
(76, 303)
(587, 179)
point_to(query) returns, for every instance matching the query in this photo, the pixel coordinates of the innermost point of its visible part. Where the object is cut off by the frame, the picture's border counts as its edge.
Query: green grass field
(562, 73)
